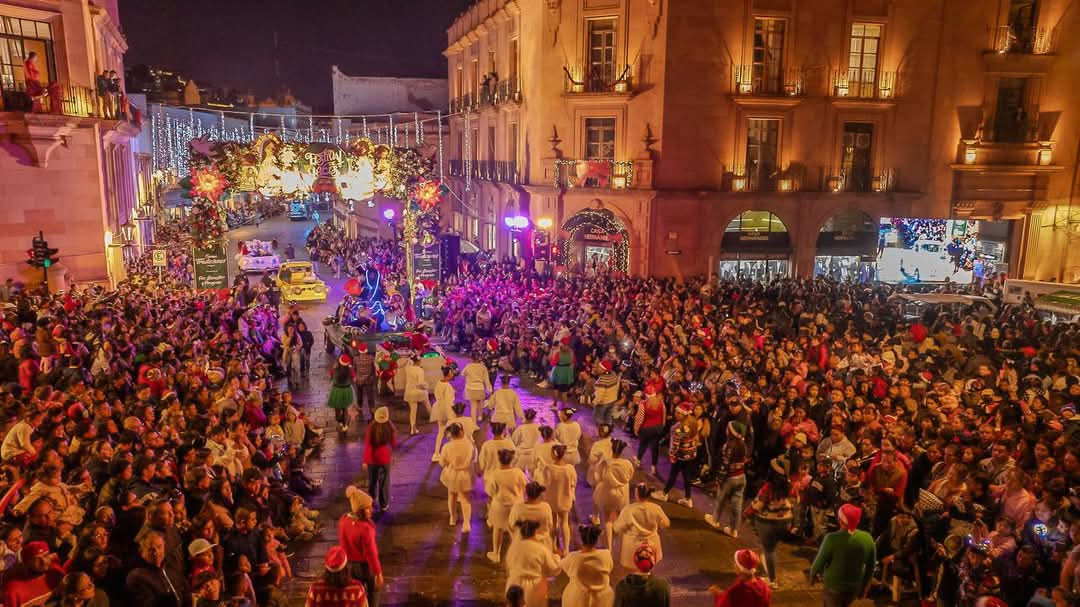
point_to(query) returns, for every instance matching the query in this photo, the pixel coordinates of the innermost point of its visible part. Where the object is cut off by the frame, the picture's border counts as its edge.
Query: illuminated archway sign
(594, 236)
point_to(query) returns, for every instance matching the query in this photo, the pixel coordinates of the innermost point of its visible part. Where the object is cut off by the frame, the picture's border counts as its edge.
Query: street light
(127, 233)
(389, 214)
(544, 223)
(516, 222)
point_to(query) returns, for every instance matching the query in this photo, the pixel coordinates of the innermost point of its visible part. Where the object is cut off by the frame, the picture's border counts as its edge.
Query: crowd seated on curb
(955, 433)
(148, 457)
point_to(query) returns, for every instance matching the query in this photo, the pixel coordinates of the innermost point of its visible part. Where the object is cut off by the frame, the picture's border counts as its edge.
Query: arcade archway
(756, 246)
(595, 240)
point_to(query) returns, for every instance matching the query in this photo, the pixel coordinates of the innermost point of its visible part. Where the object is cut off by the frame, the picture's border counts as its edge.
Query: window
(863, 59)
(489, 236)
(474, 229)
(756, 222)
(600, 138)
(513, 156)
(515, 50)
(768, 56)
(459, 222)
(762, 136)
(19, 38)
(601, 46)
(856, 156)
(491, 63)
(476, 76)
(459, 80)
(475, 145)
(1011, 122)
(491, 143)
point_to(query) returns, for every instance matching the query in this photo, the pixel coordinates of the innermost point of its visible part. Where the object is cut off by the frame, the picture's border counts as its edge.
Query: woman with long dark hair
(379, 444)
(341, 391)
(356, 534)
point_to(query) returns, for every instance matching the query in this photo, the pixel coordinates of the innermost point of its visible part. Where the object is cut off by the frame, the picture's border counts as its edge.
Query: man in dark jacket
(642, 589)
(161, 519)
(149, 583)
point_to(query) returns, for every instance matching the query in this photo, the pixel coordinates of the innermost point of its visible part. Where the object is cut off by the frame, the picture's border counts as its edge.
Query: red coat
(320, 594)
(379, 456)
(357, 537)
(745, 593)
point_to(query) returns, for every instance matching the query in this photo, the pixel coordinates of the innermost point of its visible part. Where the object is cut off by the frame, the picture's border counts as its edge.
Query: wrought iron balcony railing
(579, 81)
(502, 171)
(1024, 40)
(856, 83)
(768, 81)
(465, 103)
(65, 100)
(614, 174)
(845, 180)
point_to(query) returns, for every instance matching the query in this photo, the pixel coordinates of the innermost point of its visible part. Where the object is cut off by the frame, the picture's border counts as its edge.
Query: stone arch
(602, 222)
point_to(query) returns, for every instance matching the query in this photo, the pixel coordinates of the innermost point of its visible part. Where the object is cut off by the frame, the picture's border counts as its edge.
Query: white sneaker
(493, 557)
(659, 496)
(686, 502)
(712, 522)
(730, 532)
(543, 385)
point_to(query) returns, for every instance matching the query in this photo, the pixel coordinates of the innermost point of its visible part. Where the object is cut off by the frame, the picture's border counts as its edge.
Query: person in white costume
(505, 405)
(568, 432)
(543, 453)
(477, 385)
(443, 408)
(534, 508)
(468, 426)
(612, 491)
(506, 487)
(432, 363)
(600, 451)
(529, 564)
(416, 393)
(489, 451)
(589, 570)
(526, 437)
(640, 523)
(560, 478)
(458, 460)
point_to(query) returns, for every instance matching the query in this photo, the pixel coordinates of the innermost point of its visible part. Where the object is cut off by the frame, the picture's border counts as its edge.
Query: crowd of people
(148, 456)
(933, 458)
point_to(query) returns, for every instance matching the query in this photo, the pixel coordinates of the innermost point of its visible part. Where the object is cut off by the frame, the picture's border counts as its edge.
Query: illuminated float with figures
(257, 256)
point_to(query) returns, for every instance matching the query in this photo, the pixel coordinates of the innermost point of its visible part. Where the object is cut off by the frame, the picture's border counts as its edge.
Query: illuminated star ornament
(208, 183)
(427, 194)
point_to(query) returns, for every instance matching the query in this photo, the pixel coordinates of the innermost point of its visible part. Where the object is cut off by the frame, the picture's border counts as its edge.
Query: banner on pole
(211, 269)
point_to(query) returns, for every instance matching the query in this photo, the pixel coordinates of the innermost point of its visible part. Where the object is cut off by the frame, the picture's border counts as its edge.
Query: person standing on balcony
(101, 83)
(113, 97)
(34, 89)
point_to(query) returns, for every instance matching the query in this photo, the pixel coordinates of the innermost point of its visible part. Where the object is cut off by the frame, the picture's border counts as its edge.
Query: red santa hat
(336, 559)
(849, 516)
(746, 561)
(990, 601)
(606, 365)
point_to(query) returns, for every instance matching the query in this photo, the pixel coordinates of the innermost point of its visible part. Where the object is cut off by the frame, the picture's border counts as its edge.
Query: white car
(262, 263)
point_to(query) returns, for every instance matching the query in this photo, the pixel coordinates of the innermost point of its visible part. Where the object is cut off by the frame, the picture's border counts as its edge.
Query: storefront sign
(673, 252)
(211, 269)
(427, 263)
(754, 237)
(596, 234)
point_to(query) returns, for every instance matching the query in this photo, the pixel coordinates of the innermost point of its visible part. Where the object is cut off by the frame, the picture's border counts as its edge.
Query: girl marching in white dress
(568, 432)
(458, 459)
(468, 426)
(489, 451)
(599, 452)
(534, 508)
(443, 407)
(561, 480)
(543, 453)
(640, 523)
(612, 490)
(589, 570)
(505, 405)
(477, 385)
(529, 564)
(506, 487)
(526, 437)
(415, 390)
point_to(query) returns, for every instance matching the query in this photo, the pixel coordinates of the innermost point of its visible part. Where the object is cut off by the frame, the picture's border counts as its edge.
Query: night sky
(230, 43)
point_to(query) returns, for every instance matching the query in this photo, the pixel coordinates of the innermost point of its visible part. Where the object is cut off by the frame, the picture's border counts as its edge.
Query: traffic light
(40, 255)
(541, 245)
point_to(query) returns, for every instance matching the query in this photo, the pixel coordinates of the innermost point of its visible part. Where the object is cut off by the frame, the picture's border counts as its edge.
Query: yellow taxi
(298, 281)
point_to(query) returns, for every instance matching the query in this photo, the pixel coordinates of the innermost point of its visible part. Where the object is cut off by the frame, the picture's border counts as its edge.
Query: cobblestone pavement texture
(428, 563)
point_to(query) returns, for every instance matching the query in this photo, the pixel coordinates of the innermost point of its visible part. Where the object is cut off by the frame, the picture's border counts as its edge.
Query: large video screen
(918, 250)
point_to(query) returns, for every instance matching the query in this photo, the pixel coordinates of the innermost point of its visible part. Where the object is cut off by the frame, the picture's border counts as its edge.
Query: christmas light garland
(601, 218)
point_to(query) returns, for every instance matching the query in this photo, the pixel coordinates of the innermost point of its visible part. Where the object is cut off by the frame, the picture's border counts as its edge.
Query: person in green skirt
(562, 371)
(341, 391)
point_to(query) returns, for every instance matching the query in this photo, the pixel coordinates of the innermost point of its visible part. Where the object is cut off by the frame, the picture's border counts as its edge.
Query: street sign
(211, 269)
(427, 263)
(158, 257)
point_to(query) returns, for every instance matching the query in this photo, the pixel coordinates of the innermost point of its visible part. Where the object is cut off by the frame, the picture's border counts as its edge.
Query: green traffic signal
(47, 262)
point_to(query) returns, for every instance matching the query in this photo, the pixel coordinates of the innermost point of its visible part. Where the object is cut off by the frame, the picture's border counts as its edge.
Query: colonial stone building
(764, 137)
(67, 167)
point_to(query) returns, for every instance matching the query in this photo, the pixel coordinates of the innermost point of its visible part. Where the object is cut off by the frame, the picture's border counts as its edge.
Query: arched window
(756, 222)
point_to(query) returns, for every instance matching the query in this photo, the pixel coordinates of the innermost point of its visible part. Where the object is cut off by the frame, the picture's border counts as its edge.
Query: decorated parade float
(257, 256)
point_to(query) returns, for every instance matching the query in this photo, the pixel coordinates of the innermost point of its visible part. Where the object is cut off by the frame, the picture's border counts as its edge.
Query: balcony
(57, 99)
(598, 82)
(864, 85)
(611, 174)
(501, 171)
(1010, 39)
(844, 180)
(764, 81)
(464, 103)
(502, 93)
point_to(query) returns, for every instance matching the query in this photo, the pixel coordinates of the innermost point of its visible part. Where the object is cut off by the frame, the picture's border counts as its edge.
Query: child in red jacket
(748, 590)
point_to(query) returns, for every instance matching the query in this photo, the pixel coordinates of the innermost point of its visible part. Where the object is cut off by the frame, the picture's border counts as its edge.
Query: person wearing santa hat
(606, 392)
(643, 589)
(336, 588)
(748, 590)
(341, 391)
(846, 559)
